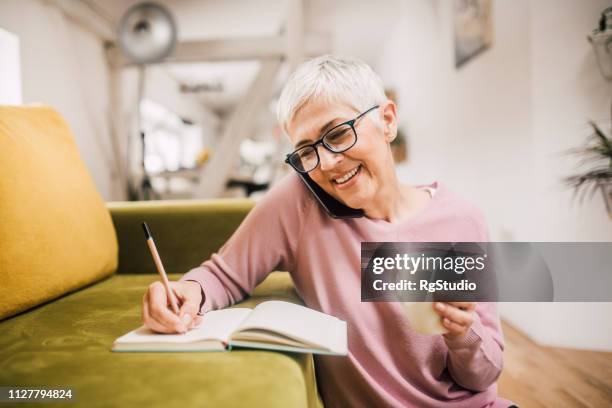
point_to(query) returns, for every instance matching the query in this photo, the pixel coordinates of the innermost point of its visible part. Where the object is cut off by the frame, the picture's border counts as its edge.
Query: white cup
(423, 318)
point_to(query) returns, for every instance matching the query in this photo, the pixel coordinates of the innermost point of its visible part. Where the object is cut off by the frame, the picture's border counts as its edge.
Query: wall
(566, 90)
(64, 66)
(494, 129)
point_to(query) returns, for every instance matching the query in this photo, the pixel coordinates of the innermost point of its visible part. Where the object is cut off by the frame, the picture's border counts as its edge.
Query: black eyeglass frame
(321, 141)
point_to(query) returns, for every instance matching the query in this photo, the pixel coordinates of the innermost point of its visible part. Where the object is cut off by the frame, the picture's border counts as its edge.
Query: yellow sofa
(73, 270)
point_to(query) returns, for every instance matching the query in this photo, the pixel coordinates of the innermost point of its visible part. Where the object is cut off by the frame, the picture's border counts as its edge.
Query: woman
(341, 124)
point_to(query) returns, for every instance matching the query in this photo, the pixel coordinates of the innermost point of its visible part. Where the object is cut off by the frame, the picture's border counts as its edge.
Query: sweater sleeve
(475, 361)
(265, 241)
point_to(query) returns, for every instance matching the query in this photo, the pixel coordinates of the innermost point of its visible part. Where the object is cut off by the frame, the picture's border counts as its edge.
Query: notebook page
(217, 325)
(300, 323)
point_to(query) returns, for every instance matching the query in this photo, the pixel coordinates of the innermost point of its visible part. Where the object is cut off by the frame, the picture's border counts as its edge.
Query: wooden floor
(537, 376)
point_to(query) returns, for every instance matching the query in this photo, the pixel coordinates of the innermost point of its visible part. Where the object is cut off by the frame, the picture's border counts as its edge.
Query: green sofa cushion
(66, 343)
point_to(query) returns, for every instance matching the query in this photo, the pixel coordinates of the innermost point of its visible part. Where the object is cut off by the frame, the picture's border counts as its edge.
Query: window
(10, 69)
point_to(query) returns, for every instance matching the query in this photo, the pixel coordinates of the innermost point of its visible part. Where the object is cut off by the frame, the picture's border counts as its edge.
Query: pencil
(160, 268)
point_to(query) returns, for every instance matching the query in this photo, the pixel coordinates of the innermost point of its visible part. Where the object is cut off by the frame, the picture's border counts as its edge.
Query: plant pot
(606, 190)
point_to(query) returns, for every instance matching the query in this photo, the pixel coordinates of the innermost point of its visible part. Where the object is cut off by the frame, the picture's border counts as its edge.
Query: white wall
(567, 89)
(494, 130)
(469, 128)
(63, 66)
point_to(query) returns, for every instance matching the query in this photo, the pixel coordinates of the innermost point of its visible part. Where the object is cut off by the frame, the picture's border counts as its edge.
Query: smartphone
(332, 206)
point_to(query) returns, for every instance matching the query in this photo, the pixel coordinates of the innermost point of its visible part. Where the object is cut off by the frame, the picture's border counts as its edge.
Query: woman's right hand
(159, 317)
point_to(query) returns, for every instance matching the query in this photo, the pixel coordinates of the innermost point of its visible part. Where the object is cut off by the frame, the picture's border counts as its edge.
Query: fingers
(196, 322)
(189, 308)
(454, 317)
(149, 321)
(452, 326)
(156, 313)
(189, 294)
(468, 306)
(454, 314)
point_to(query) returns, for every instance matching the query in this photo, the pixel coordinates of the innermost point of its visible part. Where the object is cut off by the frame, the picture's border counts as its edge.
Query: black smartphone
(332, 206)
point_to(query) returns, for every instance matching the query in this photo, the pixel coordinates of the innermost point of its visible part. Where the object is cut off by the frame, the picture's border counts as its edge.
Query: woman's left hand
(457, 317)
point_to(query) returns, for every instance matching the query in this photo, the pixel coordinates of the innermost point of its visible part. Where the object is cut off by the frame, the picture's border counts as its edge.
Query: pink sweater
(388, 364)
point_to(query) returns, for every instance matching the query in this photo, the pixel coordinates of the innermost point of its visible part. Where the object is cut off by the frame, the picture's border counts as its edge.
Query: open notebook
(272, 325)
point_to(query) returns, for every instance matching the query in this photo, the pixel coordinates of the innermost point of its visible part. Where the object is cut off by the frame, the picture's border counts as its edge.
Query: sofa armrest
(186, 232)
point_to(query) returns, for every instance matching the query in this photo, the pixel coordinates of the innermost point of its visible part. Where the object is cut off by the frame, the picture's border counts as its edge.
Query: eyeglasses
(338, 139)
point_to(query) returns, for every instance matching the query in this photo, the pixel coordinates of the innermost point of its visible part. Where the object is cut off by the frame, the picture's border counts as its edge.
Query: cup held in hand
(423, 318)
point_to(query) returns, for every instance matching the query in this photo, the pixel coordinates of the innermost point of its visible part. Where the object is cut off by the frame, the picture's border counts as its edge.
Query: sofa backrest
(56, 234)
(186, 232)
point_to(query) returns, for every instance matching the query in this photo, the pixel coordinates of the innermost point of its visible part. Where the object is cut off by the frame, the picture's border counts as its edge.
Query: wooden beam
(214, 175)
(83, 15)
(294, 29)
(272, 47)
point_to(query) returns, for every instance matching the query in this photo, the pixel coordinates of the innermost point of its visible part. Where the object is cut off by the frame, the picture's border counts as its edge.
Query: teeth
(347, 176)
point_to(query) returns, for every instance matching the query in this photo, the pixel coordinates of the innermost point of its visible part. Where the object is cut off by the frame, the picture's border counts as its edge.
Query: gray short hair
(338, 79)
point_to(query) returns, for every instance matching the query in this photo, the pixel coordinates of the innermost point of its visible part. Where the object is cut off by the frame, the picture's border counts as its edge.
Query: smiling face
(360, 176)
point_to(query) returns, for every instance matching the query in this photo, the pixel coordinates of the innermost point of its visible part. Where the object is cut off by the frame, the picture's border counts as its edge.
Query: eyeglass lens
(337, 140)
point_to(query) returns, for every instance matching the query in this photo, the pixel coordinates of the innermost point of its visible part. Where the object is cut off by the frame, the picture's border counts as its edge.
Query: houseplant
(596, 154)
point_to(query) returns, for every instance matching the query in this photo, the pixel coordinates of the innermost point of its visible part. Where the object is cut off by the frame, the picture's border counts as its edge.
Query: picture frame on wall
(473, 29)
